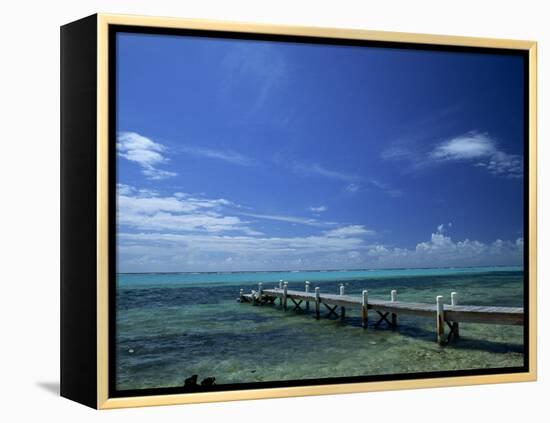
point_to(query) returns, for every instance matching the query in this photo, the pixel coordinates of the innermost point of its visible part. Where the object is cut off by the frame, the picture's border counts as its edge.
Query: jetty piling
(342, 308)
(393, 297)
(307, 291)
(365, 309)
(440, 320)
(317, 302)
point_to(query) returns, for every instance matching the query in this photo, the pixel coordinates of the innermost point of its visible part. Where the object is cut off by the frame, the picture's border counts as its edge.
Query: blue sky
(249, 155)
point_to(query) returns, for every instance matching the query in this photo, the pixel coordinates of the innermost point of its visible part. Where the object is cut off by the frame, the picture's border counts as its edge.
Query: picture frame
(91, 102)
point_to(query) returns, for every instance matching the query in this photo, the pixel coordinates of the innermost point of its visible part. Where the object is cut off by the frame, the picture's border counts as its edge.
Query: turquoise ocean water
(173, 325)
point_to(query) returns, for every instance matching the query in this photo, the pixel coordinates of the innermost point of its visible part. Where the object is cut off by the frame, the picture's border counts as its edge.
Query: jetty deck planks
(451, 314)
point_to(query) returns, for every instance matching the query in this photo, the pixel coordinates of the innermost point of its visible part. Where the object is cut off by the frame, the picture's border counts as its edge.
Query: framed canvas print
(254, 211)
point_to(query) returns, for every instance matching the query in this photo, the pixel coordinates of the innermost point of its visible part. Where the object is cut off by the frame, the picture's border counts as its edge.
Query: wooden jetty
(386, 310)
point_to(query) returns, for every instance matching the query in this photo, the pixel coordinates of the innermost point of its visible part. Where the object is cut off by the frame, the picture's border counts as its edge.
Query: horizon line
(319, 270)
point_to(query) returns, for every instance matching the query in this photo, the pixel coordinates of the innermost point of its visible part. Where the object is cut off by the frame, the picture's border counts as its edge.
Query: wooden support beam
(317, 301)
(342, 309)
(364, 309)
(383, 317)
(285, 294)
(440, 323)
(296, 303)
(331, 310)
(241, 295)
(453, 331)
(393, 296)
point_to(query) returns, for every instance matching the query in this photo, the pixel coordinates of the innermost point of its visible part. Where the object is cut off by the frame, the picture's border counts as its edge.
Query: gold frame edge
(103, 400)
(102, 213)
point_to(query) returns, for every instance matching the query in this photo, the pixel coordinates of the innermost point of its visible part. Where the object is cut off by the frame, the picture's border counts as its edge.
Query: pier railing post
(317, 302)
(307, 291)
(342, 308)
(440, 324)
(454, 302)
(285, 290)
(241, 295)
(393, 296)
(364, 309)
(281, 284)
(260, 290)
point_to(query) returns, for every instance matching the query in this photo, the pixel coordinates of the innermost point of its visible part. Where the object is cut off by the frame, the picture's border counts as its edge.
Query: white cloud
(441, 227)
(210, 251)
(146, 210)
(139, 149)
(352, 188)
(289, 219)
(396, 151)
(442, 250)
(469, 146)
(209, 222)
(200, 252)
(188, 232)
(482, 151)
(149, 201)
(392, 192)
(348, 231)
(223, 155)
(253, 245)
(474, 147)
(315, 169)
(318, 209)
(123, 189)
(141, 209)
(157, 174)
(145, 152)
(406, 151)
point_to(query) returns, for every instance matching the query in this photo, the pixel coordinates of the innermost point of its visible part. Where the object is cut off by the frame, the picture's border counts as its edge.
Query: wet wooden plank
(494, 316)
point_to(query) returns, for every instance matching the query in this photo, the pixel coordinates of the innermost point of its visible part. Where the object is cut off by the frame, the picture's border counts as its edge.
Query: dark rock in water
(191, 382)
(252, 371)
(209, 381)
